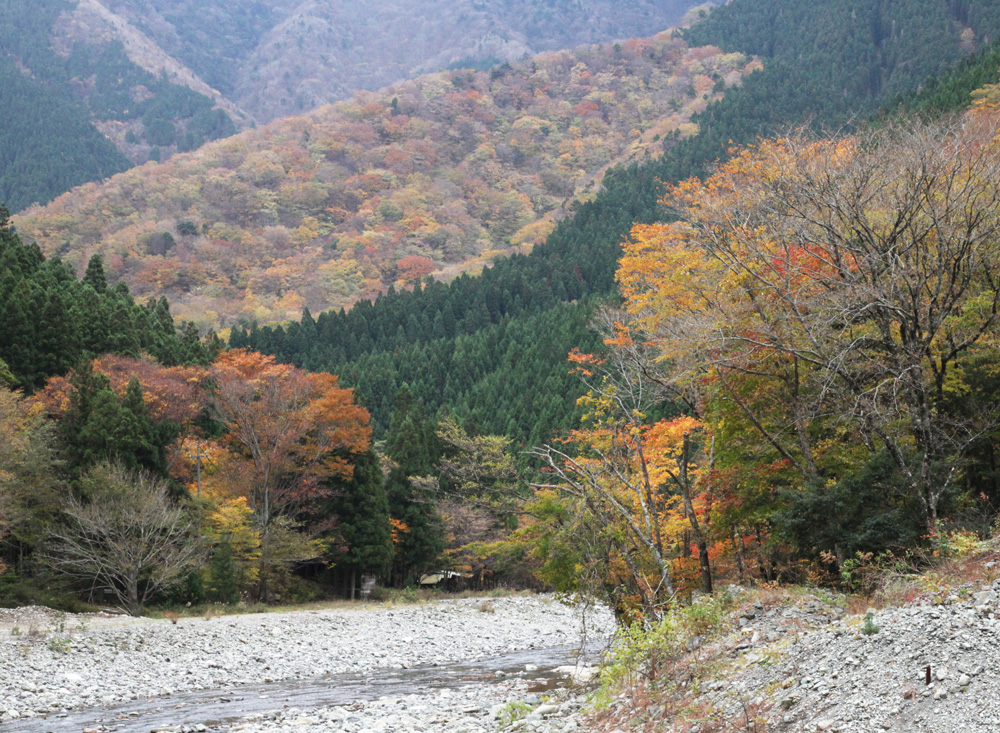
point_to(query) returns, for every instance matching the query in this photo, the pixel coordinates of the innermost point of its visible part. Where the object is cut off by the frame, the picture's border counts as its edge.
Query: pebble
(475, 709)
(807, 663)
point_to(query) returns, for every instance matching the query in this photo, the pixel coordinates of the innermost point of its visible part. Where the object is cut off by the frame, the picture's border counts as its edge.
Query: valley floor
(54, 664)
(785, 660)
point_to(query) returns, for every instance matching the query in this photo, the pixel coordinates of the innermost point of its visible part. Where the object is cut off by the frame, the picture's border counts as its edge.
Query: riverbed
(343, 668)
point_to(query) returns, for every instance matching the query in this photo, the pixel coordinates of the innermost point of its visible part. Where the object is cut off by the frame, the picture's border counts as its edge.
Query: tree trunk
(132, 604)
(706, 567)
(738, 554)
(699, 535)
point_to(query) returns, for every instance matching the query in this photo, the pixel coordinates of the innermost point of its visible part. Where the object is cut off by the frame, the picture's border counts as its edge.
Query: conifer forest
(626, 312)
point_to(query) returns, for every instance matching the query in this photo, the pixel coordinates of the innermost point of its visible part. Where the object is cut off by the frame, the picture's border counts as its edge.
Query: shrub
(869, 627)
(647, 653)
(512, 712)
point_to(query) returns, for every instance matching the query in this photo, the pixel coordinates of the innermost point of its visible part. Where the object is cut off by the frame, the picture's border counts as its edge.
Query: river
(216, 709)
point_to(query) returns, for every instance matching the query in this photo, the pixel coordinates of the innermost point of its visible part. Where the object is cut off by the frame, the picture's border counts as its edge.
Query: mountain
(85, 96)
(807, 51)
(274, 58)
(116, 83)
(577, 262)
(426, 178)
(554, 159)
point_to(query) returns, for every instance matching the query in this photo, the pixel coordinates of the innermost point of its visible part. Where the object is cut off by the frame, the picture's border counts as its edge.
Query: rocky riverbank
(933, 665)
(797, 663)
(790, 661)
(509, 705)
(51, 663)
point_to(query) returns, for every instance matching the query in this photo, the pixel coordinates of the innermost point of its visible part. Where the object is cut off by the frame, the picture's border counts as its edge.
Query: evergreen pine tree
(94, 276)
(89, 425)
(139, 442)
(6, 378)
(223, 574)
(412, 444)
(363, 510)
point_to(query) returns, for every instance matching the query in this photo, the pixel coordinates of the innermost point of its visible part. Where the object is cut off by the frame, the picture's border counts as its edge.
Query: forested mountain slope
(159, 77)
(50, 320)
(580, 256)
(279, 57)
(85, 99)
(778, 466)
(419, 179)
(951, 90)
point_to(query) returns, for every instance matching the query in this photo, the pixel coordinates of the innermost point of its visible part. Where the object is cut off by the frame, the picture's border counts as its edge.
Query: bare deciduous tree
(125, 537)
(608, 473)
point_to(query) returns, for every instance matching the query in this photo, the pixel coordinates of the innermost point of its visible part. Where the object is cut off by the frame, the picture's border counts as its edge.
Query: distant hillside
(157, 77)
(882, 48)
(279, 57)
(425, 178)
(85, 97)
(952, 90)
(577, 262)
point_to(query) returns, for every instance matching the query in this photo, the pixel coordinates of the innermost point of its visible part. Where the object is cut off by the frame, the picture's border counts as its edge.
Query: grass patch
(512, 712)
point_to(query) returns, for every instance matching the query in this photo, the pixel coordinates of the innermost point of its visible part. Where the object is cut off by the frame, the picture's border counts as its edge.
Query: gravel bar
(52, 663)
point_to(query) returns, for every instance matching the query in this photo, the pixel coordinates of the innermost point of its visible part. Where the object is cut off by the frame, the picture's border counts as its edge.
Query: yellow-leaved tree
(631, 489)
(828, 292)
(28, 479)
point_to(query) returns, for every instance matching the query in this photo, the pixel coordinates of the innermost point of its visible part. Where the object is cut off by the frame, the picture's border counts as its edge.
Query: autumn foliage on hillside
(170, 393)
(415, 180)
(826, 313)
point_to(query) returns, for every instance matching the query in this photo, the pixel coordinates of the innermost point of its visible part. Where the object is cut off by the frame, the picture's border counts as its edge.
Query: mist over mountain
(280, 57)
(95, 86)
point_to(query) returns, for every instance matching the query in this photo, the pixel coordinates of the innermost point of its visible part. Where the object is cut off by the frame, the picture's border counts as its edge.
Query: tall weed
(650, 654)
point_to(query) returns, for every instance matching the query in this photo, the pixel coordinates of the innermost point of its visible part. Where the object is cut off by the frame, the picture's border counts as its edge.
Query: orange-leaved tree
(631, 480)
(832, 288)
(290, 433)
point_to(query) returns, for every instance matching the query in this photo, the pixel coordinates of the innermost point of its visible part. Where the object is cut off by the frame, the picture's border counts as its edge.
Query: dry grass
(674, 700)
(653, 710)
(389, 598)
(890, 582)
(967, 570)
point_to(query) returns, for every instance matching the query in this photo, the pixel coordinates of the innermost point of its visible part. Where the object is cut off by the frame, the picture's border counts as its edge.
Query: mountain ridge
(300, 54)
(429, 177)
(157, 77)
(142, 51)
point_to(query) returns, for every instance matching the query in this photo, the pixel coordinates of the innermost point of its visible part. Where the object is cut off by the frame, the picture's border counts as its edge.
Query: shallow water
(223, 706)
